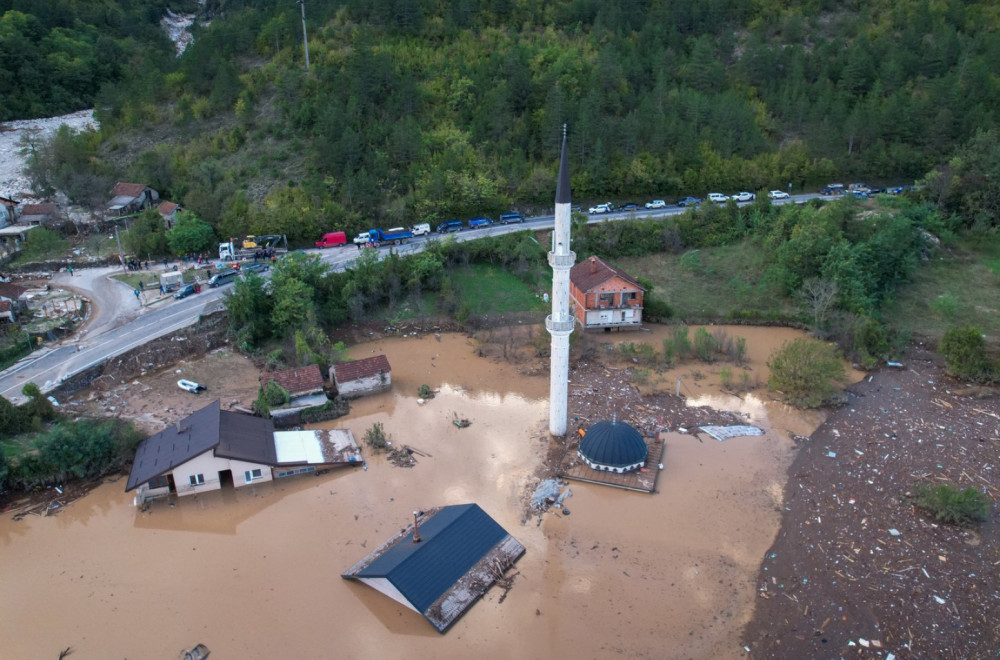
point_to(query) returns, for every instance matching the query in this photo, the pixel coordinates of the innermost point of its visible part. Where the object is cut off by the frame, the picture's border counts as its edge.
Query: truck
(332, 239)
(395, 235)
(171, 280)
(264, 247)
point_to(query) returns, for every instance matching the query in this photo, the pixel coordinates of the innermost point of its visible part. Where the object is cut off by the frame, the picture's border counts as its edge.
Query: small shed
(613, 447)
(36, 215)
(304, 386)
(442, 563)
(130, 198)
(360, 377)
(168, 211)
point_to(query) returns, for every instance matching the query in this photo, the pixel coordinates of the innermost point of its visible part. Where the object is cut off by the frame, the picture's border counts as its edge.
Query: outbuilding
(613, 447)
(360, 377)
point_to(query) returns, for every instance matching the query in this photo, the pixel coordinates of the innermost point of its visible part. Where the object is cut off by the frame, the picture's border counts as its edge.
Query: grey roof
(454, 543)
(232, 435)
(615, 444)
(562, 183)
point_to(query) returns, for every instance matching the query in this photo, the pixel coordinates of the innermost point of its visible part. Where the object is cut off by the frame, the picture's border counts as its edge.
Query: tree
(964, 351)
(808, 371)
(190, 234)
(819, 296)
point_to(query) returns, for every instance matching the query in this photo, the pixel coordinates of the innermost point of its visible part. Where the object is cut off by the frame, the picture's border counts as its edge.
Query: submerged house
(442, 563)
(212, 448)
(303, 384)
(602, 296)
(360, 377)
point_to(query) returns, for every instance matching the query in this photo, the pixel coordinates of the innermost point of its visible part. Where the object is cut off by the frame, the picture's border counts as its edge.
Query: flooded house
(360, 377)
(213, 448)
(442, 563)
(602, 296)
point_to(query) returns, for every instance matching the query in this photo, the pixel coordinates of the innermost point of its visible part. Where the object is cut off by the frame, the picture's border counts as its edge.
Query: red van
(332, 239)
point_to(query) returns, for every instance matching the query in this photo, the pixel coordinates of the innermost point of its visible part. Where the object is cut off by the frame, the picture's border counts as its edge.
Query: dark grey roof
(232, 435)
(562, 183)
(455, 541)
(615, 444)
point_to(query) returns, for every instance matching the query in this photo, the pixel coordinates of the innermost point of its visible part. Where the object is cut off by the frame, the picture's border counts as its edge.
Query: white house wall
(383, 585)
(362, 386)
(209, 465)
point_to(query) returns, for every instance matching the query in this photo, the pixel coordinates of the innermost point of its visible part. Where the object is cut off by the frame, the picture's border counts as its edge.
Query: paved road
(122, 324)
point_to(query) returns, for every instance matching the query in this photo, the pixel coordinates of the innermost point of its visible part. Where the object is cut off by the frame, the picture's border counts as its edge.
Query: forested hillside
(423, 110)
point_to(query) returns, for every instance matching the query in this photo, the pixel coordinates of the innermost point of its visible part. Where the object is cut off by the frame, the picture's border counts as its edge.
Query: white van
(422, 229)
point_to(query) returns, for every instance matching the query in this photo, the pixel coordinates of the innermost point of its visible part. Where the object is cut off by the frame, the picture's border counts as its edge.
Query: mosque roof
(614, 444)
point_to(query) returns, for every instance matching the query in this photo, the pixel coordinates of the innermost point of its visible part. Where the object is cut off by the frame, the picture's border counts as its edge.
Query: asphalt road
(123, 325)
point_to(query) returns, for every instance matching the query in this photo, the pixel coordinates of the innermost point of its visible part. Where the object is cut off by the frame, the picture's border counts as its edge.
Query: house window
(251, 475)
(605, 300)
(631, 297)
(197, 479)
(159, 482)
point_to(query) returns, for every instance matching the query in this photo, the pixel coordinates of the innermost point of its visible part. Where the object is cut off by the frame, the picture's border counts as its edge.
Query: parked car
(362, 238)
(656, 204)
(689, 201)
(479, 223)
(256, 267)
(606, 207)
(717, 198)
(778, 194)
(630, 207)
(187, 290)
(449, 226)
(832, 189)
(421, 229)
(508, 218)
(744, 196)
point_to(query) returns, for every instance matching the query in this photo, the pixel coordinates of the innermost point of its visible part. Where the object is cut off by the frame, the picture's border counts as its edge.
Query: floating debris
(721, 433)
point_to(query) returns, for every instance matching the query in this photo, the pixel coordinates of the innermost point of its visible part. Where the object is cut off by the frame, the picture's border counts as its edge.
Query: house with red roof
(360, 377)
(304, 386)
(168, 211)
(603, 296)
(38, 214)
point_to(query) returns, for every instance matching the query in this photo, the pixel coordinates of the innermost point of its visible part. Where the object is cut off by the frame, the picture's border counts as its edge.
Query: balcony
(562, 260)
(559, 326)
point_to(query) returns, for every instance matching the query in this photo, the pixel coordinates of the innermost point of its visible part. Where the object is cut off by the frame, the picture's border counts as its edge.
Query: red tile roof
(591, 273)
(166, 208)
(4, 305)
(128, 189)
(304, 380)
(11, 290)
(358, 369)
(46, 208)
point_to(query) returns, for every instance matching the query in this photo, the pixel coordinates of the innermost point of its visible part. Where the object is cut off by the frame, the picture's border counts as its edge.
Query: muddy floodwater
(255, 573)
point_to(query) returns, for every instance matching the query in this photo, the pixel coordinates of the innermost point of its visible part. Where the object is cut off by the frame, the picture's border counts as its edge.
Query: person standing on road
(71, 271)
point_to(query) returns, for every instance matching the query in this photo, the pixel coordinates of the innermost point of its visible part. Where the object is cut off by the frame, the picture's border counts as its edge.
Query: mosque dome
(613, 447)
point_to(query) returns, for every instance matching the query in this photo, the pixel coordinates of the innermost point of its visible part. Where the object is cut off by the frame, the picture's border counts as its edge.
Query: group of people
(133, 264)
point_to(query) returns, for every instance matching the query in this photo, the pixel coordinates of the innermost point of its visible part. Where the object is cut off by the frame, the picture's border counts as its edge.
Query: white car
(744, 196)
(362, 238)
(718, 198)
(656, 204)
(421, 229)
(778, 194)
(606, 207)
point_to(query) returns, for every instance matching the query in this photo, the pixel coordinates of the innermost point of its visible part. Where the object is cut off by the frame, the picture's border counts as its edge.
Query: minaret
(560, 323)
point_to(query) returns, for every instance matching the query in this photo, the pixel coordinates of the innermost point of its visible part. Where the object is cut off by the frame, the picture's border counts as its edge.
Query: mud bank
(255, 572)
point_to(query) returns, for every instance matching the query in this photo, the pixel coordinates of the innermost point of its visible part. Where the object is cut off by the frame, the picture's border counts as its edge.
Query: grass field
(959, 286)
(711, 283)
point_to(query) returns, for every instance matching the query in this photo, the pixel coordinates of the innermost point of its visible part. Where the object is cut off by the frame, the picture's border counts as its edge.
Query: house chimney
(178, 427)
(593, 265)
(416, 530)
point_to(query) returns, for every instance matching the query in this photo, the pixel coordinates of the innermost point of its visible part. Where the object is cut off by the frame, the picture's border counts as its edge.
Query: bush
(950, 505)
(376, 438)
(808, 371)
(425, 392)
(655, 309)
(705, 345)
(964, 351)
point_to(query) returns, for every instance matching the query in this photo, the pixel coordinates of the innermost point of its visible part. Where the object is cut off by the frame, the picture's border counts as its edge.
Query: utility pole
(121, 255)
(305, 38)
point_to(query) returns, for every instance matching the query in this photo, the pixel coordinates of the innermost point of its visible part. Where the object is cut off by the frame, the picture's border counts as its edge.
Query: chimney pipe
(416, 530)
(593, 265)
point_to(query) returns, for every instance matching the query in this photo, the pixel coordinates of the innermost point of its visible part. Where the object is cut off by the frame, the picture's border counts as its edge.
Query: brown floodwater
(256, 572)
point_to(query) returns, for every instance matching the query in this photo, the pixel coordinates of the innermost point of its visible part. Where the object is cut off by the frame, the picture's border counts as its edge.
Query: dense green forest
(426, 110)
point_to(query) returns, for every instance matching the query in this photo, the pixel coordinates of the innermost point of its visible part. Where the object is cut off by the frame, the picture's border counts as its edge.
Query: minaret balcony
(560, 326)
(562, 260)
